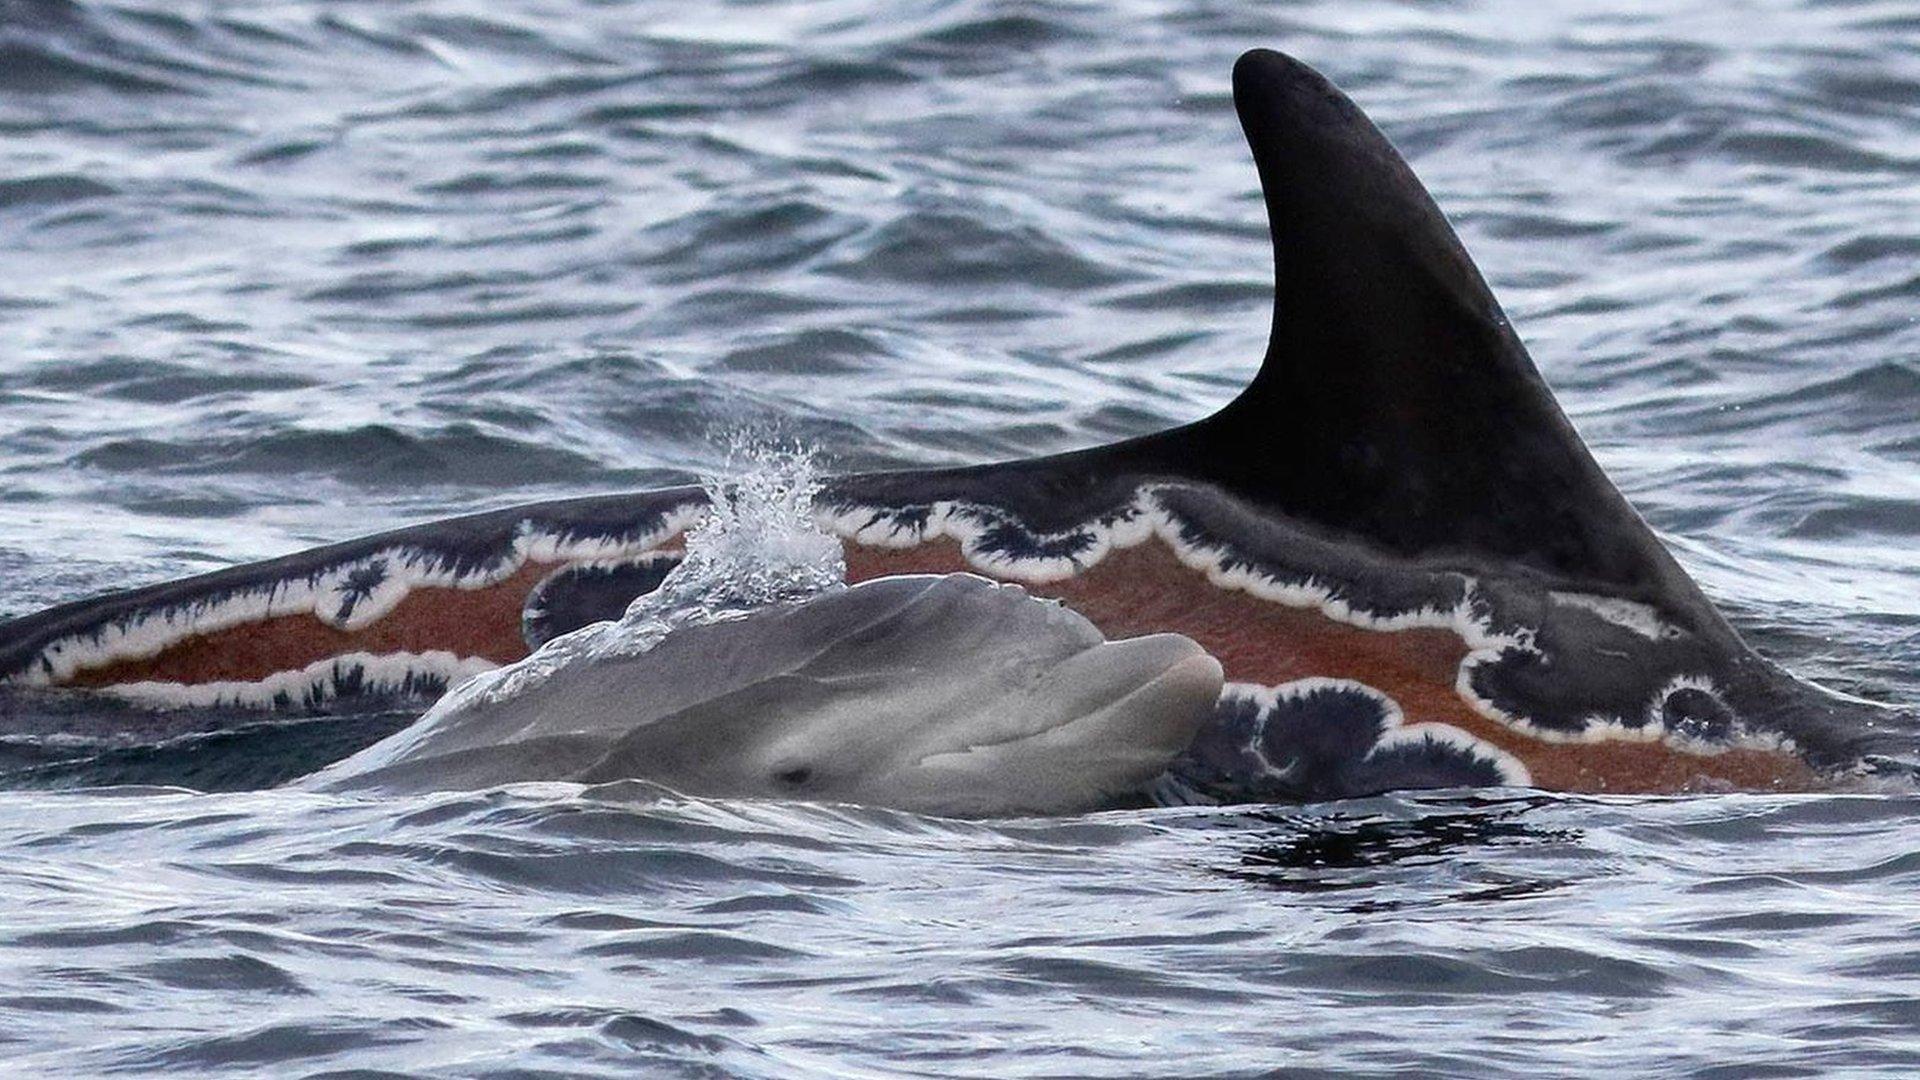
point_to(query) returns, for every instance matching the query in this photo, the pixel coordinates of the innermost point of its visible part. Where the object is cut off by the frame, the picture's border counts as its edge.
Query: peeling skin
(481, 623)
(350, 596)
(1137, 572)
(396, 675)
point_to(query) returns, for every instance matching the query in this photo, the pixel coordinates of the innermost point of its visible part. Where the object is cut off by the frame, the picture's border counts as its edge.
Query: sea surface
(280, 273)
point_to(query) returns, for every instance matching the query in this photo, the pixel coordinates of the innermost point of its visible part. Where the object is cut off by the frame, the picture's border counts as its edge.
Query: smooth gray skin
(940, 694)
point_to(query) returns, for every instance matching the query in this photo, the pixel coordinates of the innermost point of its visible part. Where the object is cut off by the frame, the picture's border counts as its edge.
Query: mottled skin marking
(1146, 589)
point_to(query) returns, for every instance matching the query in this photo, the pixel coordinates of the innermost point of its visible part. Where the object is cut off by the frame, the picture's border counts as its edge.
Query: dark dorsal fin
(1395, 404)
(1395, 409)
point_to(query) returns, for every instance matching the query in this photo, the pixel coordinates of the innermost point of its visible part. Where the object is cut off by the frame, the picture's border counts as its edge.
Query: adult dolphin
(1411, 569)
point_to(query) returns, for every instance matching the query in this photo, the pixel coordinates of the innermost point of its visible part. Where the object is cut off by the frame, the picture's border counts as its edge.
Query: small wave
(267, 1045)
(809, 76)
(245, 756)
(512, 181)
(50, 190)
(232, 972)
(159, 382)
(70, 48)
(1867, 399)
(385, 285)
(1860, 250)
(1861, 517)
(995, 35)
(949, 249)
(44, 68)
(373, 454)
(1904, 292)
(1806, 150)
(1199, 297)
(504, 37)
(743, 236)
(808, 352)
(1844, 87)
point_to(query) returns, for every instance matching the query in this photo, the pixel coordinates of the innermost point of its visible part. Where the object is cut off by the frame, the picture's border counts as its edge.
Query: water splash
(757, 546)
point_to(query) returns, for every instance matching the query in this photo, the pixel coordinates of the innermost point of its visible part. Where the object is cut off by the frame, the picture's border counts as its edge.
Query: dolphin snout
(1103, 726)
(1172, 691)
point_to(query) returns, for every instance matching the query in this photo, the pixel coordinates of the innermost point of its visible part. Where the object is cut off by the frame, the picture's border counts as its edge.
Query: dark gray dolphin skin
(1410, 568)
(948, 695)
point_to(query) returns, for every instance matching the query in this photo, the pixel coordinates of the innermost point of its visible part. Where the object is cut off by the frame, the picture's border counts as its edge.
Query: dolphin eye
(794, 777)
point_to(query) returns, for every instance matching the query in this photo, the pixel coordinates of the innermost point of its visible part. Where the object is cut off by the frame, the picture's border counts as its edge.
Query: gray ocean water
(281, 273)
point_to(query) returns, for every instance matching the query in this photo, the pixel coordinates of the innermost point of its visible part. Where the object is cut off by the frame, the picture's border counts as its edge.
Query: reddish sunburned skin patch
(482, 622)
(1136, 590)
(1145, 589)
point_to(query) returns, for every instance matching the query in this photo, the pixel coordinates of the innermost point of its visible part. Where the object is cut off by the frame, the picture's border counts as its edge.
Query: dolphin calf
(939, 694)
(1410, 568)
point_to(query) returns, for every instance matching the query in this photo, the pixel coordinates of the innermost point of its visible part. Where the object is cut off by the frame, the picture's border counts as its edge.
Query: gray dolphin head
(941, 694)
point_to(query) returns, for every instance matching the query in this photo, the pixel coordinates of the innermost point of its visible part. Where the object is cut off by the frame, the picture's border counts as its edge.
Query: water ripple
(415, 260)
